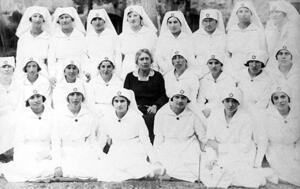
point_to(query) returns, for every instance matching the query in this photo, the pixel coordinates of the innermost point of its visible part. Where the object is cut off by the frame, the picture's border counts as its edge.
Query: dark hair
(174, 17)
(289, 99)
(30, 19)
(96, 18)
(232, 99)
(262, 64)
(66, 14)
(83, 98)
(105, 61)
(73, 65)
(188, 100)
(216, 60)
(138, 14)
(127, 100)
(276, 56)
(139, 52)
(25, 67)
(27, 103)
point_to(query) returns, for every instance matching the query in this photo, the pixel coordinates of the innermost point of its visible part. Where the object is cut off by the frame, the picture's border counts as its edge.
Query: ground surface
(144, 184)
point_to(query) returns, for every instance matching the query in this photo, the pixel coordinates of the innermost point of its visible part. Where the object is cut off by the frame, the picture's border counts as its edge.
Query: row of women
(230, 99)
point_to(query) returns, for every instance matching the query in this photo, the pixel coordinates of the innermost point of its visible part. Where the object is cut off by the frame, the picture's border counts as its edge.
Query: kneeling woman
(127, 156)
(32, 149)
(74, 138)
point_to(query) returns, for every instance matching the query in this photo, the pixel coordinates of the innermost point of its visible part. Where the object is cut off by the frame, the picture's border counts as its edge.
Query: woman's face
(120, 104)
(280, 100)
(32, 69)
(244, 15)
(209, 24)
(134, 19)
(284, 56)
(144, 61)
(179, 62)
(75, 98)
(174, 25)
(65, 21)
(179, 101)
(230, 104)
(98, 24)
(36, 101)
(7, 69)
(214, 66)
(255, 67)
(106, 68)
(71, 72)
(37, 19)
(277, 15)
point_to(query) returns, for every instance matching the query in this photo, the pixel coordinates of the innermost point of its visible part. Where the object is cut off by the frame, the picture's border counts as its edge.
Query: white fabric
(167, 44)
(283, 152)
(7, 61)
(32, 149)
(74, 143)
(99, 93)
(176, 144)
(260, 56)
(25, 24)
(130, 147)
(71, 11)
(99, 13)
(242, 41)
(146, 22)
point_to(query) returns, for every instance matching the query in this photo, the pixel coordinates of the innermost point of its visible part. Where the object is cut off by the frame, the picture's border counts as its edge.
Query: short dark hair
(106, 61)
(247, 63)
(83, 98)
(27, 103)
(128, 101)
(25, 67)
(276, 56)
(289, 99)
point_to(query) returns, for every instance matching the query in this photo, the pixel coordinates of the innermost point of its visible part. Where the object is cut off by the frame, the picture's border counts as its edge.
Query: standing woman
(210, 37)
(148, 86)
(10, 96)
(127, 156)
(34, 35)
(282, 27)
(102, 86)
(138, 33)
(175, 33)
(282, 127)
(33, 141)
(74, 137)
(67, 40)
(245, 33)
(101, 38)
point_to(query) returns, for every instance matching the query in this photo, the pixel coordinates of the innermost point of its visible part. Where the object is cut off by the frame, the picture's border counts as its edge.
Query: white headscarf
(146, 21)
(25, 23)
(233, 20)
(286, 7)
(178, 14)
(129, 94)
(99, 13)
(215, 14)
(7, 61)
(70, 11)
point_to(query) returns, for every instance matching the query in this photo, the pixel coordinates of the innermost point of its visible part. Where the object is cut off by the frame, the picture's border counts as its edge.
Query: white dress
(32, 150)
(99, 93)
(32, 47)
(236, 157)
(66, 47)
(176, 142)
(240, 43)
(74, 143)
(129, 43)
(283, 153)
(10, 101)
(130, 147)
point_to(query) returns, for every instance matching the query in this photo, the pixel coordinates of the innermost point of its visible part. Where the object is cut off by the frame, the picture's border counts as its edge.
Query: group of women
(204, 106)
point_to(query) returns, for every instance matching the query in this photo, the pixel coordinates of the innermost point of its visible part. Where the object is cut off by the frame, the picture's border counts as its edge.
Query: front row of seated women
(68, 142)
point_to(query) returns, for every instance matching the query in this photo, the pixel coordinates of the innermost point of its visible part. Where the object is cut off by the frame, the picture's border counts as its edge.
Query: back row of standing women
(243, 57)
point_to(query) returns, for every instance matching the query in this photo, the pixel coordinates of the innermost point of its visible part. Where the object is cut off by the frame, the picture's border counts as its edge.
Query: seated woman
(231, 157)
(10, 101)
(102, 86)
(70, 77)
(281, 123)
(148, 86)
(74, 137)
(178, 136)
(127, 156)
(33, 79)
(213, 83)
(33, 141)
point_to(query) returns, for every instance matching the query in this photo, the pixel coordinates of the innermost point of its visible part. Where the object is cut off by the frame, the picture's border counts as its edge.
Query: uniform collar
(136, 74)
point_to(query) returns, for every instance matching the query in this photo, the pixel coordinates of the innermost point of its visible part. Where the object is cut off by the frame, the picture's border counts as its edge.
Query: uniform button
(40, 118)
(251, 80)
(119, 120)
(107, 84)
(227, 126)
(285, 121)
(177, 79)
(7, 92)
(76, 120)
(177, 118)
